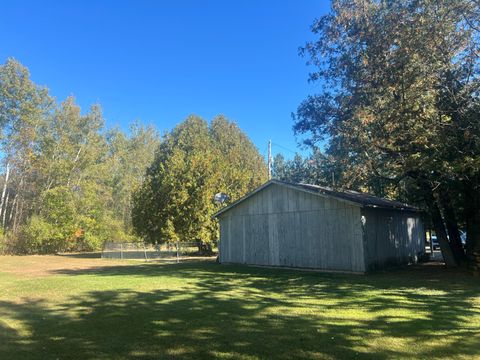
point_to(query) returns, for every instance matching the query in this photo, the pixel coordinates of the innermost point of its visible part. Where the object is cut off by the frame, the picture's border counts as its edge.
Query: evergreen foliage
(193, 163)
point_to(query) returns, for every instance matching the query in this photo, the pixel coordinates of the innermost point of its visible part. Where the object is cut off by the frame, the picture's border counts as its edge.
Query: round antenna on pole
(220, 198)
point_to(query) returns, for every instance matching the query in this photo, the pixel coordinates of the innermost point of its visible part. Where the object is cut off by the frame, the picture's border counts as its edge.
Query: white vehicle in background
(463, 238)
(436, 244)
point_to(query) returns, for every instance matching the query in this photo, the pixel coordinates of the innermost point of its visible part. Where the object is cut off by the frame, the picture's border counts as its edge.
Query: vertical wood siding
(280, 226)
(392, 238)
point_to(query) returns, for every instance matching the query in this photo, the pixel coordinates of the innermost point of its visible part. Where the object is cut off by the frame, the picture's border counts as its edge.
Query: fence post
(121, 251)
(145, 251)
(178, 256)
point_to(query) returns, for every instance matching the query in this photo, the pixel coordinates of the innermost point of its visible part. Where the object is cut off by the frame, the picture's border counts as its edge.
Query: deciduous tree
(390, 71)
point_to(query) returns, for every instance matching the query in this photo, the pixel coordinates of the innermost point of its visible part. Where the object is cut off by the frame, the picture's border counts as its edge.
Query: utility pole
(269, 159)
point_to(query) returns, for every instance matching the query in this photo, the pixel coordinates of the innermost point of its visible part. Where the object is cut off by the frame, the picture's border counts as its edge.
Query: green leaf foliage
(68, 180)
(398, 105)
(193, 163)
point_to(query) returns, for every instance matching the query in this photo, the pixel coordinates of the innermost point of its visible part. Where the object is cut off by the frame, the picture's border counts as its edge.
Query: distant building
(308, 226)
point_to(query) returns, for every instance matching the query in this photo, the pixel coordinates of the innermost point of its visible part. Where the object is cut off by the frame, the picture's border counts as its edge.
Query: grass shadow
(245, 312)
(82, 255)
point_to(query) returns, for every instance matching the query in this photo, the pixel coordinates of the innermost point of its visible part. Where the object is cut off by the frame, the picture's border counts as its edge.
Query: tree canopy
(398, 106)
(70, 184)
(68, 180)
(194, 162)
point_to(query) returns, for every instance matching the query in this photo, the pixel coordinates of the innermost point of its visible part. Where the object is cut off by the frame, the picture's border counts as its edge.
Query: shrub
(4, 245)
(41, 237)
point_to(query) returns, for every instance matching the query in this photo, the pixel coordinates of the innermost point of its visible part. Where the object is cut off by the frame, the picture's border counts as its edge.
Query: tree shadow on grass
(244, 312)
(82, 255)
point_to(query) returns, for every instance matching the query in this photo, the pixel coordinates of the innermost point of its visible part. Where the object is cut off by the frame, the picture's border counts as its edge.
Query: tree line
(70, 184)
(67, 180)
(397, 115)
(398, 109)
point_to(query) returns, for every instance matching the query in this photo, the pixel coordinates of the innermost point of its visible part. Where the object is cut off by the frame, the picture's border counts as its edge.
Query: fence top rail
(141, 246)
(169, 251)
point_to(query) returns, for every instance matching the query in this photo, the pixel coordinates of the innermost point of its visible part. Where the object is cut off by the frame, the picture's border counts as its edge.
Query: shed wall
(280, 226)
(392, 238)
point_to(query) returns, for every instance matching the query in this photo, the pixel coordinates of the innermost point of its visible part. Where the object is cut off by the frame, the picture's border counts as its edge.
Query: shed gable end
(283, 226)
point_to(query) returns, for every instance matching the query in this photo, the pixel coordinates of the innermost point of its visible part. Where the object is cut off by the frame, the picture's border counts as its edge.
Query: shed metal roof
(350, 196)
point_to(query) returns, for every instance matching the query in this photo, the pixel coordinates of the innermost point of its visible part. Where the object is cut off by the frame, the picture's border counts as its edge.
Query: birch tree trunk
(4, 216)
(5, 184)
(74, 164)
(12, 208)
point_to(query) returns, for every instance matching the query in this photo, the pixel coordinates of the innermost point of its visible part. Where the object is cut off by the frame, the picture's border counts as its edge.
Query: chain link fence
(140, 251)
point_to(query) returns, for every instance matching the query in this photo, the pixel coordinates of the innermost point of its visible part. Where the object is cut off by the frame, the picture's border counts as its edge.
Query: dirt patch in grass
(45, 265)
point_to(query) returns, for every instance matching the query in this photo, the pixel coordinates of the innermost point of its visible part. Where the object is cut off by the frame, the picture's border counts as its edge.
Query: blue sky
(159, 61)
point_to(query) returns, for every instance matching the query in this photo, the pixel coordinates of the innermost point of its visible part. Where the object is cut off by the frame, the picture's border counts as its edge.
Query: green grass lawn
(198, 310)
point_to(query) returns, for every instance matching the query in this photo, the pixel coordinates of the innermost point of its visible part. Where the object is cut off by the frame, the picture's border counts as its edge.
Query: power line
(284, 148)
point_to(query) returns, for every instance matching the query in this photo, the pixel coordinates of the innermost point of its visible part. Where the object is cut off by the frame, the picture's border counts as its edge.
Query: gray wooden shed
(308, 226)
